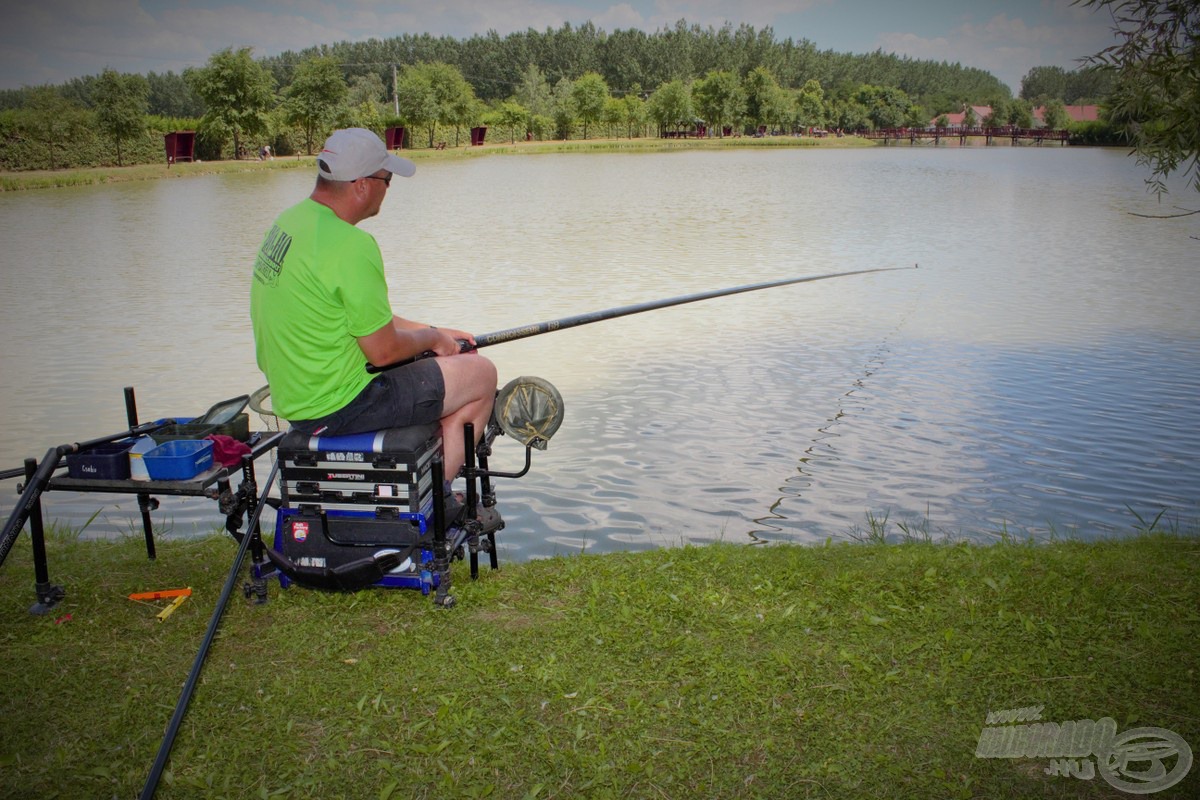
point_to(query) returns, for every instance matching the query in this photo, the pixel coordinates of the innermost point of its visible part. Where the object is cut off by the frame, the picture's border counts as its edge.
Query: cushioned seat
(390, 440)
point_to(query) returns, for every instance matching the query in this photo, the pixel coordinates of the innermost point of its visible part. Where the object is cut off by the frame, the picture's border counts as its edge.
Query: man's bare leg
(470, 394)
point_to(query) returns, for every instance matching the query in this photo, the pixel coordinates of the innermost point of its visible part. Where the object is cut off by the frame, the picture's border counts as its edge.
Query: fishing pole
(525, 331)
(189, 686)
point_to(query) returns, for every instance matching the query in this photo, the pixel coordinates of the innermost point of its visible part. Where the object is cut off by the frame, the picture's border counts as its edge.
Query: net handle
(258, 398)
(258, 403)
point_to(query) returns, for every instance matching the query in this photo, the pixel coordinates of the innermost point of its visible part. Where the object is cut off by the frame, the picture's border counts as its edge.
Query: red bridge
(1011, 132)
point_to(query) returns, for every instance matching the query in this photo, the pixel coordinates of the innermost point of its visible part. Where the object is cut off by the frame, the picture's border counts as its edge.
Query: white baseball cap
(353, 153)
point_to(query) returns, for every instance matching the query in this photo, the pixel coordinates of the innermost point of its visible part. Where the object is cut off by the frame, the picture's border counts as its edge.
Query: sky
(52, 41)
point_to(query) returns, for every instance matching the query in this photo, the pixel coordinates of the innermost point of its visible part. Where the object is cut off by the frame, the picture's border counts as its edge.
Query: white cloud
(715, 13)
(1007, 47)
(619, 17)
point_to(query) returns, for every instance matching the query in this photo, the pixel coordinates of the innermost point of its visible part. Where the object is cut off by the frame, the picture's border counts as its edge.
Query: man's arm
(402, 340)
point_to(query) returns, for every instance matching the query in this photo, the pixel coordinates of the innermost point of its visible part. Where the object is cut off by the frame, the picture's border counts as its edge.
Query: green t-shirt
(318, 285)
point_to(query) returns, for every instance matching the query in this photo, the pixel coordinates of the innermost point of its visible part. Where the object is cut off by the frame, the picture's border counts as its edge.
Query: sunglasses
(386, 181)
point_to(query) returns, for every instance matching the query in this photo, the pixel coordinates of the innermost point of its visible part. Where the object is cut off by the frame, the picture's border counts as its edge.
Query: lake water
(1037, 375)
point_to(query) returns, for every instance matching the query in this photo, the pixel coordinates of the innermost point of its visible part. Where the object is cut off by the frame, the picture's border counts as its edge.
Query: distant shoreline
(57, 179)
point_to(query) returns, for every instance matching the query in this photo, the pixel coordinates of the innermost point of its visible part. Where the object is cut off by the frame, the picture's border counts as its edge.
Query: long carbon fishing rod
(189, 687)
(525, 331)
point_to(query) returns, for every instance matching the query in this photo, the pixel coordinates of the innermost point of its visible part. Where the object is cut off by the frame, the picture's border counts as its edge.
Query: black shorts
(396, 398)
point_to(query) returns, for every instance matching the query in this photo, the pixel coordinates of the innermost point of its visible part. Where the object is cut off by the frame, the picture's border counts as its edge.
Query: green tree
(238, 92)
(53, 119)
(436, 94)
(613, 117)
(633, 110)
(1021, 113)
(367, 115)
(534, 92)
(541, 126)
(418, 101)
(312, 100)
(780, 107)
(562, 109)
(887, 106)
(367, 88)
(511, 115)
(1044, 83)
(588, 95)
(719, 99)
(456, 101)
(172, 96)
(121, 107)
(671, 105)
(1088, 85)
(810, 105)
(1000, 114)
(1054, 115)
(849, 115)
(917, 116)
(761, 95)
(464, 111)
(1156, 86)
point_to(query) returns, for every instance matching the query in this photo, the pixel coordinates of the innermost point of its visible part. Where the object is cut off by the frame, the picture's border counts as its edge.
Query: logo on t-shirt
(269, 264)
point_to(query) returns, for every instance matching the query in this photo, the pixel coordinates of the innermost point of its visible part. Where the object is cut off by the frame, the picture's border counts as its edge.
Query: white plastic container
(137, 467)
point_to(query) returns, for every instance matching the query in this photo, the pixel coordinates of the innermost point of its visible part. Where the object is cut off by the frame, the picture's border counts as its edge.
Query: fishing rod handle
(463, 347)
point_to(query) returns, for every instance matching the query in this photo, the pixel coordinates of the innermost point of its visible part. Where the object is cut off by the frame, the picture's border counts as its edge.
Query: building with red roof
(1076, 113)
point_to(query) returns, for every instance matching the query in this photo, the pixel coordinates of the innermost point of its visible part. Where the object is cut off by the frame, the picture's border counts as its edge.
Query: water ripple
(1037, 374)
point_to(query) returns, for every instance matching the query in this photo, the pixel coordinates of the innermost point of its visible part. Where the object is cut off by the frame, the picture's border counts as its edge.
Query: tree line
(558, 83)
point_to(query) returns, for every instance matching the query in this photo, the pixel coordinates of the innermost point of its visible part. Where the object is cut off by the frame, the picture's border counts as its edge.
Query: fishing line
(874, 364)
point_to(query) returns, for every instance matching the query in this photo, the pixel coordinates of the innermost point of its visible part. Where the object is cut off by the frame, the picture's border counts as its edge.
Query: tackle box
(178, 460)
(385, 472)
(182, 431)
(223, 419)
(109, 462)
(321, 540)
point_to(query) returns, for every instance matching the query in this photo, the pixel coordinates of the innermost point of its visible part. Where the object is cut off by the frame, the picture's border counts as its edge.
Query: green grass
(56, 179)
(850, 670)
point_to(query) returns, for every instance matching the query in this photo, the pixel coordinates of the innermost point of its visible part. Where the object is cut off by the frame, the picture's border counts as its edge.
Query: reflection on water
(1036, 373)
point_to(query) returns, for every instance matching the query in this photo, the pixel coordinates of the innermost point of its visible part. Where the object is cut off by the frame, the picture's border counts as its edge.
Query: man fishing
(319, 306)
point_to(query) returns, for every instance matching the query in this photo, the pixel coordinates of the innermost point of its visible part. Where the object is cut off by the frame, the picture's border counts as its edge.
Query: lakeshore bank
(780, 671)
(47, 179)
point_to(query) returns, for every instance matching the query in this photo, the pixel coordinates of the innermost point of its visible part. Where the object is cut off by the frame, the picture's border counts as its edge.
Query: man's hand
(446, 341)
(460, 337)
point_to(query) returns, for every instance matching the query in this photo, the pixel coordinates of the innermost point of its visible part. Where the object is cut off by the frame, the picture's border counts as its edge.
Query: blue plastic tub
(179, 459)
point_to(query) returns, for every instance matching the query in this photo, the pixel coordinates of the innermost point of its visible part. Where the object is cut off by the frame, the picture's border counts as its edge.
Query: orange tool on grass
(161, 594)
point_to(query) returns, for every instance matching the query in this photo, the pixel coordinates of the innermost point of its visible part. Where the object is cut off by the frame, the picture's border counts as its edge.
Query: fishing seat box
(345, 497)
(387, 471)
